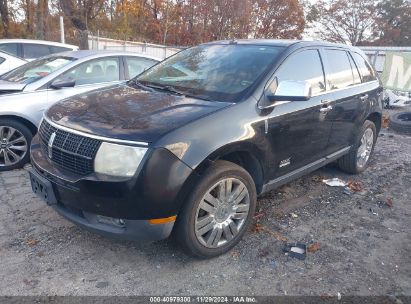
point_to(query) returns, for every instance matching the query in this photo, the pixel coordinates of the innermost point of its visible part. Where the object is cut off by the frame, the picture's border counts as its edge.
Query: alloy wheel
(222, 213)
(365, 148)
(13, 146)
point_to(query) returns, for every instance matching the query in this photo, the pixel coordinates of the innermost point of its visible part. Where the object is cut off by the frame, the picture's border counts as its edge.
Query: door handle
(326, 109)
(326, 101)
(364, 97)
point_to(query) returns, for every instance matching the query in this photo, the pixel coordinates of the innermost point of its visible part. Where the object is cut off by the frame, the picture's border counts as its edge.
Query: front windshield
(36, 69)
(215, 72)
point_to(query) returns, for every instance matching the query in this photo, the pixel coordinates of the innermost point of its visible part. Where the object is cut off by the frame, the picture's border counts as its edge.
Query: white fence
(155, 50)
(376, 54)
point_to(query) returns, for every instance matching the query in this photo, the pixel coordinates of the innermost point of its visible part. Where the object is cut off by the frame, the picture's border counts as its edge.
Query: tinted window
(137, 65)
(36, 69)
(216, 72)
(10, 48)
(356, 74)
(366, 71)
(339, 71)
(35, 50)
(58, 49)
(312, 72)
(94, 71)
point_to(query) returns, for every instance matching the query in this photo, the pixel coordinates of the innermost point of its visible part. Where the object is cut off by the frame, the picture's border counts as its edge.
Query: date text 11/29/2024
(203, 299)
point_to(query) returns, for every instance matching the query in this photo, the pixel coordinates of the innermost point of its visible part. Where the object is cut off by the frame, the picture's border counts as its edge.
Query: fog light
(111, 221)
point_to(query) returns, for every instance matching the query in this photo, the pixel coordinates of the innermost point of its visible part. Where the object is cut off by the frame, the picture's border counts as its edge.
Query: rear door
(348, 98)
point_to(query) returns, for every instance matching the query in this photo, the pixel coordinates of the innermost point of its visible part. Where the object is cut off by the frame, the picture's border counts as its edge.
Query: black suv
(188, 145)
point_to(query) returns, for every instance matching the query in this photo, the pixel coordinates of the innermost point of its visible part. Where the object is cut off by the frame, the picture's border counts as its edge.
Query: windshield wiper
(140, 85)
(167, 88)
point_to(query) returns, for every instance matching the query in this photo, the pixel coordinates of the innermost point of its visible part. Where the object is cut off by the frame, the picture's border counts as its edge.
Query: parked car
(171, 151)
(394, 98)
(9, 62)
(33, 49)
(28, 90)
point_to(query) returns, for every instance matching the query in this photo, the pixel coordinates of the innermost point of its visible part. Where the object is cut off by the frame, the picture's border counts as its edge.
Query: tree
(81, 13)
(345, 21)
(278, 19)
(393, 23)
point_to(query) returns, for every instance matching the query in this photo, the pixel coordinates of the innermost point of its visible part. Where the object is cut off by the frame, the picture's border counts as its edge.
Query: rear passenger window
(339, 74)
(366, 71)
(10, 48)
(58, 49)
(137, 65)
(32, 51)
(355, 73)
(303, 66)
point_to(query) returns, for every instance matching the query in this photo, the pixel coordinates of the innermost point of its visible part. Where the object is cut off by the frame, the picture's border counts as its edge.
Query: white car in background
(27, 91)
(394, 98)
(9, 62)
(32, 49)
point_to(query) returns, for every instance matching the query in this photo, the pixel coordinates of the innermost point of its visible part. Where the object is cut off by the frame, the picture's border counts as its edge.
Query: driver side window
(304, 66)
(94, 71)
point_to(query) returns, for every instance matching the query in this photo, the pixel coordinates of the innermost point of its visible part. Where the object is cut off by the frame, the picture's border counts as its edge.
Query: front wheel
(15, 139)
(218, 211)
(357, 160)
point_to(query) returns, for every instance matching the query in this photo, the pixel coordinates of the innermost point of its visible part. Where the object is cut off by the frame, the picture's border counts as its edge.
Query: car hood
(10, 87)
(127, 113)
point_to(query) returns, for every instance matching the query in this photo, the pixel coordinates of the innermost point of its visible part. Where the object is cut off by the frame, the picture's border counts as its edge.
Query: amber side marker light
(164, 220)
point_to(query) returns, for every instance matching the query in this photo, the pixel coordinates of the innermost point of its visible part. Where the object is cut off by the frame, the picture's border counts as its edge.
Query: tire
(350, 163)
(13, 156)
(401, 122)
(216, 240)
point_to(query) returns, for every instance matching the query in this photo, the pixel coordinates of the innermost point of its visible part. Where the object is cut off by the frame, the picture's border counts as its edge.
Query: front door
(298, 134)
(89, 75)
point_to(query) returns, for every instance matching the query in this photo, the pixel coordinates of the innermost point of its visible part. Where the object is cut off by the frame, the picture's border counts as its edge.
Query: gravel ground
(364, 242)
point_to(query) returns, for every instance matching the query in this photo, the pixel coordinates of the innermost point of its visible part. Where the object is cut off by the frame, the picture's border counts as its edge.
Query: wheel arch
(376, 118)
(32, 127)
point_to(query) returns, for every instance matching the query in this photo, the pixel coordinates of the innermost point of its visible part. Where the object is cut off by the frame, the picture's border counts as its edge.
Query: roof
(38, 42)
(99, 53)
(280, 42)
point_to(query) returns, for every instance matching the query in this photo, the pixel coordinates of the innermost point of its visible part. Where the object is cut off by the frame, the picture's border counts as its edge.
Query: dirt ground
(364, 242)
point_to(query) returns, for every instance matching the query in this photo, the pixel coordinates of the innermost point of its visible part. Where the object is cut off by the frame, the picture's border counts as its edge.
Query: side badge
(285, 162)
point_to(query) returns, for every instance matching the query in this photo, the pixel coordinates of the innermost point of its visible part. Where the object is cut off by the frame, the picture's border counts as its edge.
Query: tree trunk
(83, 39)
(4, 14)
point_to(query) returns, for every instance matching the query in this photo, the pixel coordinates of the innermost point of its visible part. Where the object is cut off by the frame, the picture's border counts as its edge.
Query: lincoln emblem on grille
(50, 144)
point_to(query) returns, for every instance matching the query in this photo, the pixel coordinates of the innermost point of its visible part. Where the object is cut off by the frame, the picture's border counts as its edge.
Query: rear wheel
(218, 212)
(15, 139)
(357, 160)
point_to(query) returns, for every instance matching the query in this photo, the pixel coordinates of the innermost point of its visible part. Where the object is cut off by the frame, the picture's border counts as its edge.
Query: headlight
(118, 160)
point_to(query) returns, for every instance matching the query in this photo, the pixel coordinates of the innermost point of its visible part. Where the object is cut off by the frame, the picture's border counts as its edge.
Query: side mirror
(286, 91)
(63, 83)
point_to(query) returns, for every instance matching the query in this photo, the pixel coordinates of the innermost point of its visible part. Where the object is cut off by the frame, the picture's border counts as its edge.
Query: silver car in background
(27, 91)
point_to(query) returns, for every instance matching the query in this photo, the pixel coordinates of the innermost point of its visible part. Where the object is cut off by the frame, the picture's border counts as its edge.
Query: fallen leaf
(32, 242)
(234, 254)
(389, 202)
(313, 247)
(258, 215)
(259, 228)
(317, 178)
(355, 186)
(385, 121)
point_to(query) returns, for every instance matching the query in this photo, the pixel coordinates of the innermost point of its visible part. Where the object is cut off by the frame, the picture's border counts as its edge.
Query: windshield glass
(36, 69)
(215, 72)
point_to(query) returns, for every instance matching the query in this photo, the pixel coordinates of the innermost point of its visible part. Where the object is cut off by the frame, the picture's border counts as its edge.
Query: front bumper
(99, 203)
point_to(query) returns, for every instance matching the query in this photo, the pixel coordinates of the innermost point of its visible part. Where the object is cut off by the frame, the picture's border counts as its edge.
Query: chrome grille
(69, 151)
